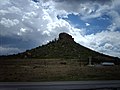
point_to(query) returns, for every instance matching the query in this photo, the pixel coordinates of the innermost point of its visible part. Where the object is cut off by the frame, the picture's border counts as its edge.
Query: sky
(26, 24)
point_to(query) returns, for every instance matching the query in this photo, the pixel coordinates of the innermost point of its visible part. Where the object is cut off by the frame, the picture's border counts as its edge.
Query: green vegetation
(61, 59)
(63, 48)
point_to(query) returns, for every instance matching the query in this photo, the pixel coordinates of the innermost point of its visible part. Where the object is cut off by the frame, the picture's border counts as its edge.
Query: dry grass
(54, 70)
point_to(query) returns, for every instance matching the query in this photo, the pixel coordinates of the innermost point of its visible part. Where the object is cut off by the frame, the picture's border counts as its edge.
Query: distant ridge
(63, 48)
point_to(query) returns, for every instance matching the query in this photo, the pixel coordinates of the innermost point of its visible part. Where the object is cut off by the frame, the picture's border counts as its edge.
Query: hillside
(63, 48)
(59, 60)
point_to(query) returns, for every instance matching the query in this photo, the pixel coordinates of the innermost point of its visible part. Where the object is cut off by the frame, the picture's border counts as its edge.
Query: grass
(54, 70)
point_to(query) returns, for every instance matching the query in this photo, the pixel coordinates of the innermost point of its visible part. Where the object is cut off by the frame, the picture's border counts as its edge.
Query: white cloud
(108, 46)
(9, 23)
(4, 2)
(9, 10)
(115, 21)
(22, 30)
(38, 22)
(3, 12)
(8, 50)
(29, 15)
(87, 24)
(14, 9)
(104, 42)
(85, 9)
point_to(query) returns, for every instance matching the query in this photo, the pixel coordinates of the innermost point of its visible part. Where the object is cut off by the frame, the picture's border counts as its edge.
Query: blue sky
(26, 24)
(92, 26)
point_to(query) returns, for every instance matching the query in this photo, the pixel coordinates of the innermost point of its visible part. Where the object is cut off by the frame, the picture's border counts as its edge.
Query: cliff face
(66, 37)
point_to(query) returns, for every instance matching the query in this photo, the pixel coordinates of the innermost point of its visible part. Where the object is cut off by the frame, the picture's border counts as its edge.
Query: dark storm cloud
(84, 1)
(35, 1)
(16, 42)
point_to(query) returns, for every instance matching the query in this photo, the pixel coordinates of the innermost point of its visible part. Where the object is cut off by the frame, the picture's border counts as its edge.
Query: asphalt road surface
(62, 85)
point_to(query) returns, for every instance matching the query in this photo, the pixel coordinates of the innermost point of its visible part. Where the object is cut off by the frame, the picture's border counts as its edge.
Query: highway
(62, 85)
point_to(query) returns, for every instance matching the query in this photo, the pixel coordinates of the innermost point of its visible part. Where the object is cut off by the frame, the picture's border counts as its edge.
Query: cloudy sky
(25, 24)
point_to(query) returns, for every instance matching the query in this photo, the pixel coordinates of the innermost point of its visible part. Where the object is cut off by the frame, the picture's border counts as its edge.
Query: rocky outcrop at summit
(63, 48)
(65, 36)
